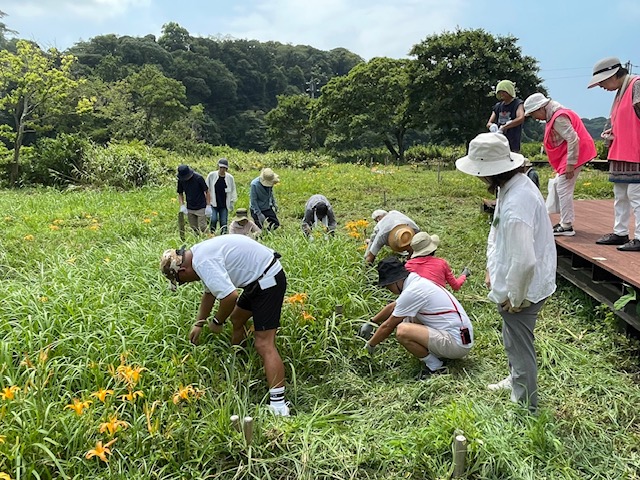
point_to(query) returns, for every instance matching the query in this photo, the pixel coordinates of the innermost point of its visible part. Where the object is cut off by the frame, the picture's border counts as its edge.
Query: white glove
(183, 209)
(493, 128)
(207, 211)
(261, 218)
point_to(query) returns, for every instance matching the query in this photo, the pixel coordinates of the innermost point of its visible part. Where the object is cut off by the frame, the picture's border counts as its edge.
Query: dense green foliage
(454, 79)
(84, 308)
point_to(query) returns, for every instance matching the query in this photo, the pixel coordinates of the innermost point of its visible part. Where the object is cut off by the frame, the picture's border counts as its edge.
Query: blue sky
(566, 36)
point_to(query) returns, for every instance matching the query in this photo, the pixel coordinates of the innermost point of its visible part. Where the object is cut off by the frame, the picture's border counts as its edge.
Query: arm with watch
(225, 307)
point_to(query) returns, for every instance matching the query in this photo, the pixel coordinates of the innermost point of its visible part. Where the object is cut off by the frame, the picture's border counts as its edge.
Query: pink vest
(558, 155)
(626, 129)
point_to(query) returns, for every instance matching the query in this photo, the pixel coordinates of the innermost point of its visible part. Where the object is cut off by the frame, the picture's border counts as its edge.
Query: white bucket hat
(534, 102)
(489, 155)
(424, 244)
(268, 177)
(605, 68)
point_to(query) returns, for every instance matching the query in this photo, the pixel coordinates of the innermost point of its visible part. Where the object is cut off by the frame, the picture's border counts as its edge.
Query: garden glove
(493, 128)
(261, 218)
(371, 349)
(466, 272)
(208, 211)
(366, 331)
(183, 209)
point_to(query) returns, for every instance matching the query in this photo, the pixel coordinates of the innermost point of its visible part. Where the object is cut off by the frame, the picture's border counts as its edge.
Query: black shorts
(265, 305)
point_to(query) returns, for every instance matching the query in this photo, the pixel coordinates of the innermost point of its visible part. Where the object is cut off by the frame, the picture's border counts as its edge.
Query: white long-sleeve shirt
(521, 251)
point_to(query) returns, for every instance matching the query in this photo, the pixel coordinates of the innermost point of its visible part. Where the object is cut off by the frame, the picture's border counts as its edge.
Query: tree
(372, 98)
(289, 124)
(35, 86)
(453, 82)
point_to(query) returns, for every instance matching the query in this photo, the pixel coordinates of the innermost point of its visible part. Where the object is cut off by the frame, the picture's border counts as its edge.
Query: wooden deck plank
(594, 218)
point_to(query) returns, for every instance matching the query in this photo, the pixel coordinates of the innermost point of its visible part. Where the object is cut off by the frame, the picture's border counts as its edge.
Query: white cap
(378, 213)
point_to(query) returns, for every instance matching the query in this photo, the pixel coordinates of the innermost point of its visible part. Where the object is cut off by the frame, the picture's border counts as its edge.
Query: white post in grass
(247, 426)
(459, 455)
(235, 421)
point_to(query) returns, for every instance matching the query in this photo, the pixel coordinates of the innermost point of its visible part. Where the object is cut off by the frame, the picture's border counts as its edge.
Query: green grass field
(94, 351)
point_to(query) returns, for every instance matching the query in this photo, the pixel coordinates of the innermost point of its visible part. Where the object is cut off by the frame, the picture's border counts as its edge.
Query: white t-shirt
(432, 306)
(228, 262)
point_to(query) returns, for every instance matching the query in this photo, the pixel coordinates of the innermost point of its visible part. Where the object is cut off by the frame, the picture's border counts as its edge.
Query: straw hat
(424, 244)
(391, 270)
(489, 155)
(605, 68)
(268, 177)
(400, 238)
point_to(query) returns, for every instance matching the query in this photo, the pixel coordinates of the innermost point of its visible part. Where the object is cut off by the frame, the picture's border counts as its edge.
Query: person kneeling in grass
(429, 321)
(223, 264)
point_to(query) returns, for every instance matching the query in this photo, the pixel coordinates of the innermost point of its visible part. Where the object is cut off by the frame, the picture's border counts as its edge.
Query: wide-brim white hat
(605, 68)
(489, 155)
(534, 102)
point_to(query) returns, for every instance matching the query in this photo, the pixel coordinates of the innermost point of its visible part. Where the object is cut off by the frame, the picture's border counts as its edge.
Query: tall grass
(83, 305)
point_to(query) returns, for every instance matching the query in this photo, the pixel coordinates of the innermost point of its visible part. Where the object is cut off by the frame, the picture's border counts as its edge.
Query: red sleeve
(455, 283)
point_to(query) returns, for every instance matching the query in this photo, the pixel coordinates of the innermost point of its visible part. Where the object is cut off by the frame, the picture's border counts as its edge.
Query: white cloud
(85, 9)
(368, 28)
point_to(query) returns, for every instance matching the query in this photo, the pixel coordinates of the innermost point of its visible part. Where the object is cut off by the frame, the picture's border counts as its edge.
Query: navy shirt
(194, 189)
(504, 113)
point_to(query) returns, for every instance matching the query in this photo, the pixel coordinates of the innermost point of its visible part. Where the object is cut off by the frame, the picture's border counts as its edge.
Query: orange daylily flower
(307, 317)
(297, 298)
(5, 476)
(9, 393)
(101, 451)
(102, 394)
(78, 405)
(129, 374)
(184, 393)
(131, 396)
(113, 425)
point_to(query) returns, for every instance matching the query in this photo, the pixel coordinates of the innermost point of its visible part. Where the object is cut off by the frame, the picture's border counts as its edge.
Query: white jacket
(232, 194)
(521, 251)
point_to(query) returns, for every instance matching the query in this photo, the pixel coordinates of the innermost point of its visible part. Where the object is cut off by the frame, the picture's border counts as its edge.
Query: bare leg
(265, 342)
(414, 338)
(239, 317)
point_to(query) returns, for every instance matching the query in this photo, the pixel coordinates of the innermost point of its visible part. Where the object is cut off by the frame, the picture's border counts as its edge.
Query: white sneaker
(504, 384)
(280, 410)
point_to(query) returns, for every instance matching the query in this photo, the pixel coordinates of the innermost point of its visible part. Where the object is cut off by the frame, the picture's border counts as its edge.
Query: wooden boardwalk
(600, 270)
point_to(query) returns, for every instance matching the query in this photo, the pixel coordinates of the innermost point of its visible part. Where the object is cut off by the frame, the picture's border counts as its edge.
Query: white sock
(432, 362)
(276, 396)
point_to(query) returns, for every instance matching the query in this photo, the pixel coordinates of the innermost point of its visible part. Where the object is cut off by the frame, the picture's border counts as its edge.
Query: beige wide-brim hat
(534, 102)
(605, 68)
(241, 214)
(400, 238)
(489, 155)
(424, 244)
(268, 177)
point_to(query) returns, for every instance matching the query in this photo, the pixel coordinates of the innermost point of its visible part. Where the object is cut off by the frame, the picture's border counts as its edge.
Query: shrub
(54, 160)
(121, 165)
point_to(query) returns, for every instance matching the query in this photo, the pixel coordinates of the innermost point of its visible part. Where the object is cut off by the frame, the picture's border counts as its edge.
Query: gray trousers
(517, 335)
